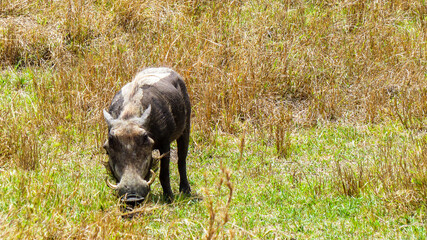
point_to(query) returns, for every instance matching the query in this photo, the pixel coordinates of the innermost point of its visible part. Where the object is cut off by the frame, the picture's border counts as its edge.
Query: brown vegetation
(322, 61)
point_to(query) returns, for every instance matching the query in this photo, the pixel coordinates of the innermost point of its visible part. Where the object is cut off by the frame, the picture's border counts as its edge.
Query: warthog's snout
(132, 190)
(131, 199)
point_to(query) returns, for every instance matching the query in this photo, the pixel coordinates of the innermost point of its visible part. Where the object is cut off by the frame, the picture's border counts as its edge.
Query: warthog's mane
(132, 92)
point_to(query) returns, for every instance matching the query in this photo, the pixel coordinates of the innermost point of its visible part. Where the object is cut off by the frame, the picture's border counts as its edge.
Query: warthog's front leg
(164, 173)
(182, 143)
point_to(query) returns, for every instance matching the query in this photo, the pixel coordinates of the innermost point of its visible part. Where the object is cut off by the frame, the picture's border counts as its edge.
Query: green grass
(272, 197)
(299, 196)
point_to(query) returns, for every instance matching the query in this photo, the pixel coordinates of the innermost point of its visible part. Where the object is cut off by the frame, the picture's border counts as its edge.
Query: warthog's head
(129, 148)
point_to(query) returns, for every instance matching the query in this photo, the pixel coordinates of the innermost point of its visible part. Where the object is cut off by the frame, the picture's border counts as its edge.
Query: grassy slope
(313, 114)
(272, 197)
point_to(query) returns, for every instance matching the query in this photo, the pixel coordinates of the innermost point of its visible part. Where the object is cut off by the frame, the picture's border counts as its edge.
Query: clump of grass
(396, 175)
(28, 42)
(351, 180)
(409, 105)
(402, 177)
(27, 149)
(219, 215)
(20, 145)
(282, 134)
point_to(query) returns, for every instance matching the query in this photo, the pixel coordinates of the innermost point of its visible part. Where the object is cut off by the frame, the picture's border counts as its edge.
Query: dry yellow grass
(256, 61)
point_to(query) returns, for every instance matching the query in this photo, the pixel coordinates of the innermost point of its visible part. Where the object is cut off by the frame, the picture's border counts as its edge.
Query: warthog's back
(162, 89)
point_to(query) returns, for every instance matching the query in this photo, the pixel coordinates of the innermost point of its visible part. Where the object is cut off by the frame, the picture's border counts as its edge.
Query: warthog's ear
(141, 121)
(108, 118)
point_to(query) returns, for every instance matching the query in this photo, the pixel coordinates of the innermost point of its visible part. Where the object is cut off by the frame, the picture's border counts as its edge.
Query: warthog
(147, 114)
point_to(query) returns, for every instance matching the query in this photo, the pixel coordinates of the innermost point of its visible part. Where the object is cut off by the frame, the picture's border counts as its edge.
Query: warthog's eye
(112, 142)
(142, 140)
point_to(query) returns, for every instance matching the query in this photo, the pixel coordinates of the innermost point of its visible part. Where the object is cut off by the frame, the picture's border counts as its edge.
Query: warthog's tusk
(110, 184)
(153, 177)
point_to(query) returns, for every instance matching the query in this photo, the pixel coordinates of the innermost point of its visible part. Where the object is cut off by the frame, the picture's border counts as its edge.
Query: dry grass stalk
(216, 225)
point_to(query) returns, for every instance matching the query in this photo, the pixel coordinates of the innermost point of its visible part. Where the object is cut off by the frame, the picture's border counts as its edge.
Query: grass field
(309, 117)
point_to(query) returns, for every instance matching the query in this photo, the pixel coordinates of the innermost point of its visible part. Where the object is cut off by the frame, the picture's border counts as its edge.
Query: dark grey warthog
(146, 114)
